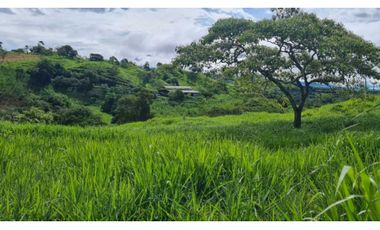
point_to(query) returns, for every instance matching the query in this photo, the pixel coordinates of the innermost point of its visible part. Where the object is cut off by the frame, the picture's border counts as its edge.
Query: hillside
(52, 89)
(80, 82)
(253, 166)
(37, 88)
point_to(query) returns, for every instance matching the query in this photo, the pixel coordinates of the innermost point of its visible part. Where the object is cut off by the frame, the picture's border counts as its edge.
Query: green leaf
(337, 203)
(343, 174)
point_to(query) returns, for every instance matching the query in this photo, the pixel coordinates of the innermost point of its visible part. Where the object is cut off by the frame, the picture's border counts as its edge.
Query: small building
(187, 90)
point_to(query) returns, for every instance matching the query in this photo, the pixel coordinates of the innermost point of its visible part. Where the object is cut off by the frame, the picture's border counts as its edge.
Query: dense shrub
(48, 101)
(220, 111)
(109, 105)
(57, 101)
(132, 108)
(43, 73)
(78, 116)
(65, 83)
(33, 115)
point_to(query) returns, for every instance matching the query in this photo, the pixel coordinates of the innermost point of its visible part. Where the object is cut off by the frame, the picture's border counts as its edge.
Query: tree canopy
(293, 51)
(67, 51)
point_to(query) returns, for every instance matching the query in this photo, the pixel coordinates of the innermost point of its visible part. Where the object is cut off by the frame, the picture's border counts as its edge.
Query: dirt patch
(12, 57)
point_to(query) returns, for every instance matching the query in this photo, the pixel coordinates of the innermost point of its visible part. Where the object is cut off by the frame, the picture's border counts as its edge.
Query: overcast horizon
(142, 35)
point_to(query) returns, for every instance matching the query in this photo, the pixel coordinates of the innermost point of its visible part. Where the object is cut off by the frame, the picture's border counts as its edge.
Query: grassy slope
(26, 61)
(248, 167)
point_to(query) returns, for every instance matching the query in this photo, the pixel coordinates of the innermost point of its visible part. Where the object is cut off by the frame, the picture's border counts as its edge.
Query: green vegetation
(223, 149)
(253, 166)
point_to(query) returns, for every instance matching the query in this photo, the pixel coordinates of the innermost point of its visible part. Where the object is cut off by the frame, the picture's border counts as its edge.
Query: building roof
(173, 87)
(190, 91)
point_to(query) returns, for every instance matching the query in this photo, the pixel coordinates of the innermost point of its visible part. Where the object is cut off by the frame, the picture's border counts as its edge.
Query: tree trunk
(297, 118)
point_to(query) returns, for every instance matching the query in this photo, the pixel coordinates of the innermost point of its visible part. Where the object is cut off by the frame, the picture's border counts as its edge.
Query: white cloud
(364, 22)
(144, 34)
(141, 34)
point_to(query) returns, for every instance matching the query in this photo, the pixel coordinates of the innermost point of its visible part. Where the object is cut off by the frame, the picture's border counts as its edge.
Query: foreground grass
(248, 167)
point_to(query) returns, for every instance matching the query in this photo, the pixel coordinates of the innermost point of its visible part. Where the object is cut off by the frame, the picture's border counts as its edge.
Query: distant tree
(67, 51)
(144, 99)
(146, 77)
(109, 104)
(114, 60)
(292, 52)
(40, 49)
(3, 52)
(124, 61)
(146, 66)
(159, 64)
(96, 57)
(283, 13)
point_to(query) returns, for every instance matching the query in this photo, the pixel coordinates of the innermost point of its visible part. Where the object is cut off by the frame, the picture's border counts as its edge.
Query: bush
(48, 100)
(219, 111)
(43, 74)
(78, 116)
(132, 108)
(65, 83)
(33, 115)
(262, 104)
(57, 101)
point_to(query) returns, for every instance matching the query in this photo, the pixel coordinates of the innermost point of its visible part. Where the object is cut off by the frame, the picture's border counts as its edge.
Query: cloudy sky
(144, 34)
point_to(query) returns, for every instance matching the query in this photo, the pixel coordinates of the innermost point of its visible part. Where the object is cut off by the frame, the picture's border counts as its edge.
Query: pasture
(253, 166)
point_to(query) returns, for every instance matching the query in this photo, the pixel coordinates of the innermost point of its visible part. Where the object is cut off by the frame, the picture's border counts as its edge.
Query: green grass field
(253, 166)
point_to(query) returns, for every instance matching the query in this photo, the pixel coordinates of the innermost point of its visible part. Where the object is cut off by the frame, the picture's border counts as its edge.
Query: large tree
(293, 51)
